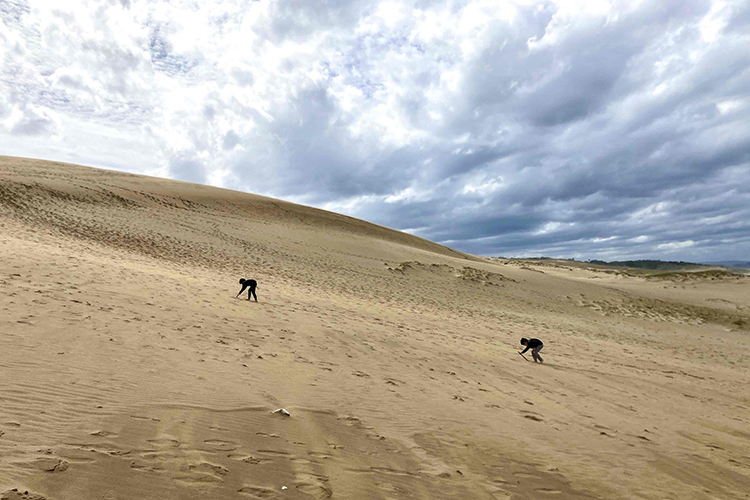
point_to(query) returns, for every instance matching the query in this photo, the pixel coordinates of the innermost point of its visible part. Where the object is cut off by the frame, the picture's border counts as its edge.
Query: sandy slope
(128, 370)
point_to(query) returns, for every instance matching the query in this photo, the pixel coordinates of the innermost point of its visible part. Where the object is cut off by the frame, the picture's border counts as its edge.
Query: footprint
(502, 495)
(392, 488)
(104, 434)
(198, 479)
(257, 492)
(255, 460)
(384, 470)
(318, 489)
(165, 442)
(350, 421)
(263, 434)
(548, 491)
(143, 467)
(275, 452)
(221, 445)
(208, 468)
(80, 460)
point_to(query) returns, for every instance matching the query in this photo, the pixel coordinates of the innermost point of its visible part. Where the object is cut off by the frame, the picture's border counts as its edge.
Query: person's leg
(536, 355)
(254, 295)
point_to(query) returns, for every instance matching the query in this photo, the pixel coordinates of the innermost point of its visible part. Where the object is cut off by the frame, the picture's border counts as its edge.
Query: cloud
(675, 245)
(187, 169)
(5, 108)
(582, 129)
(34, 120)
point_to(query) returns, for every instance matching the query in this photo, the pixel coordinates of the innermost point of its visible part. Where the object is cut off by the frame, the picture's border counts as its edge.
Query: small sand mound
(466, 273)
(481, 276)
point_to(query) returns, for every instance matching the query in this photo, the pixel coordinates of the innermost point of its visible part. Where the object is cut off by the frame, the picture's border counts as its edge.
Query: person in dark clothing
(535, 345)
(250, 284)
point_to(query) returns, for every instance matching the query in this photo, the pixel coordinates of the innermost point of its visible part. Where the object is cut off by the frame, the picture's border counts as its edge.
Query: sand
(128, 369)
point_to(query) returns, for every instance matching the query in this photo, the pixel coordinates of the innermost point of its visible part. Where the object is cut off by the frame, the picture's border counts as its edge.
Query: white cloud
(551, 227)
(602, 240)
(639, 239)
(676, 245)
(483, 185)
(730, 105)
(34, 120)
(659, 209)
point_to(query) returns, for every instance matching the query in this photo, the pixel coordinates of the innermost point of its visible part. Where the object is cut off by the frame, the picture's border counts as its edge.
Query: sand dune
(129, 370)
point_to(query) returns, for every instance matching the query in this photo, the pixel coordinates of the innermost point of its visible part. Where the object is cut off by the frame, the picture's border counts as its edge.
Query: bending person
(535, 345)
(250, 284)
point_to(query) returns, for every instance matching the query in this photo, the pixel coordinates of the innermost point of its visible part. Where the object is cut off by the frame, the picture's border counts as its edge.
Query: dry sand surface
(128, 370)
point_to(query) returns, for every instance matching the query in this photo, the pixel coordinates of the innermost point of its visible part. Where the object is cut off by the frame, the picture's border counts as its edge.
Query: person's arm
(240, 292)
(527, 348)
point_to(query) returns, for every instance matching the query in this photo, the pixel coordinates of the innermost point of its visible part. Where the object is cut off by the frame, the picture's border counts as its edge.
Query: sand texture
(129, 370)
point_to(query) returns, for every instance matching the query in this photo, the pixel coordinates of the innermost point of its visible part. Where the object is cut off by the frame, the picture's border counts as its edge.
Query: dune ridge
(131, 371)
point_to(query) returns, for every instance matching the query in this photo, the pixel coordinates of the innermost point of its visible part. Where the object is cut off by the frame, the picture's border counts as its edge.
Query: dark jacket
(533, 344)
(248, 284)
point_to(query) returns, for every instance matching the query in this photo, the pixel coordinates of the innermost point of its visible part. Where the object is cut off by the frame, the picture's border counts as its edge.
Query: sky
(584, 129)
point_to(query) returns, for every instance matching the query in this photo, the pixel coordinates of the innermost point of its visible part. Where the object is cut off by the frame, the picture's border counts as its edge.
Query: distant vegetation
(643, 264)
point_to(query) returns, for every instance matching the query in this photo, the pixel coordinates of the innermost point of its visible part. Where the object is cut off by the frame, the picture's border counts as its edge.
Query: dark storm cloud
(304, 155)
(576, 128)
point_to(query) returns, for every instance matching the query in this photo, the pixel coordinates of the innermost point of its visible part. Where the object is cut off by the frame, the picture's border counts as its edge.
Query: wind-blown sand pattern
(129, 370)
